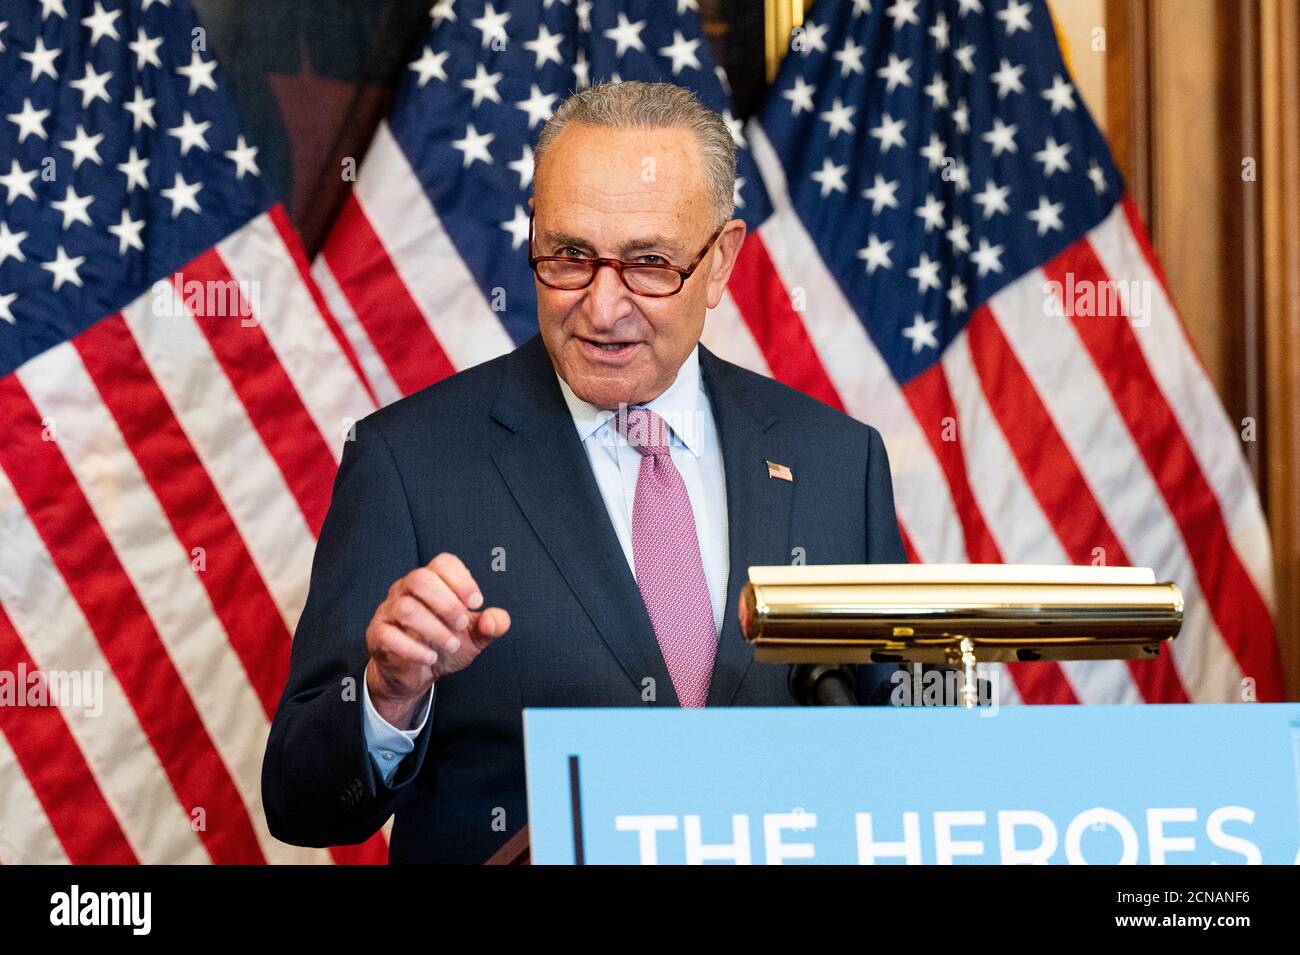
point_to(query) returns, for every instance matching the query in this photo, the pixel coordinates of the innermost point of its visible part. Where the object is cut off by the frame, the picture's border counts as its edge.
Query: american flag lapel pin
(779, 471)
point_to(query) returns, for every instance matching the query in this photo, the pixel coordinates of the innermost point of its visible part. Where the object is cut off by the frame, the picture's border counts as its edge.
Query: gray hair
(636, 105)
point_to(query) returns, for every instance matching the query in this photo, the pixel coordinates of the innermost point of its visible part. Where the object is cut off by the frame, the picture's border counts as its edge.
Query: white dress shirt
(615, 464)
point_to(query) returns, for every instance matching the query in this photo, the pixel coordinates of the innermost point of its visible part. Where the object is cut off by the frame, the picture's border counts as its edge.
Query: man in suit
(569, 524)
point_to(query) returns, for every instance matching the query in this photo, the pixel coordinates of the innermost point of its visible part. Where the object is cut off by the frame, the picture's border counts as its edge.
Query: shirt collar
(679, 405)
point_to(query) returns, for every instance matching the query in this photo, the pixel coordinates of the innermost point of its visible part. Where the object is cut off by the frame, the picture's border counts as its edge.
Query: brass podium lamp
(956, 614)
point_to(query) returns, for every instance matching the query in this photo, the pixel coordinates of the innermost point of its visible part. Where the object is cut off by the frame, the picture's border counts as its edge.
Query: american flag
(979, 287)
(940, 245)
(173, 404)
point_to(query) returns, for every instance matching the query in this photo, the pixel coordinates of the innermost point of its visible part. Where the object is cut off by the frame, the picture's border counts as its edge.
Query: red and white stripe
(160, 492)
(26, 827)
(422, 321)
(53, 633)
(1077, 441)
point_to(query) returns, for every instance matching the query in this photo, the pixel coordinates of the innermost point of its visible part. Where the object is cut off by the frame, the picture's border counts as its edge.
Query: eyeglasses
(570, 274)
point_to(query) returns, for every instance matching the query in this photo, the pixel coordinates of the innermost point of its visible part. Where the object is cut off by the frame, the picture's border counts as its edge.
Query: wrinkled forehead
(612, 171)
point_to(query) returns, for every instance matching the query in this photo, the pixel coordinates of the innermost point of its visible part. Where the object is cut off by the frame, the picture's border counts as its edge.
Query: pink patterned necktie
(666, 552)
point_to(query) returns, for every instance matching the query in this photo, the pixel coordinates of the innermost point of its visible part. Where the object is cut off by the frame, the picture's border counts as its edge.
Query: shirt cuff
(388, 745)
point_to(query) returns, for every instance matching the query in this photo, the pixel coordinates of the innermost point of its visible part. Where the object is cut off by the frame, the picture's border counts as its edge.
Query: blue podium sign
(1033, 784)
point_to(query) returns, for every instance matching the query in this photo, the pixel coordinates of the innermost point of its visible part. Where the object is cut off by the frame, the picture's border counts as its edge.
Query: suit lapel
(758, 507)
(546, 469)
(544, 465)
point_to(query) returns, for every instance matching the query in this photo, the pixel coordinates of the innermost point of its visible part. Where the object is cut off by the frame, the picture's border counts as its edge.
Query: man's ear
(725, 251)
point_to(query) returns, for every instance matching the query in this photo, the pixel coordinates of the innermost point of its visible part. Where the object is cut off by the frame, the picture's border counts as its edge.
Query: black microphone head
(822, 684)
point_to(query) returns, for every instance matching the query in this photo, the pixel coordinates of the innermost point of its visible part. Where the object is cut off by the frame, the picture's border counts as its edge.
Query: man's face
(638, 195)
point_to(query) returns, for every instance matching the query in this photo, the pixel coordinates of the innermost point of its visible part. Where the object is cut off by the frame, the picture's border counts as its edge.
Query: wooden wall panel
(1280, 163)
(1081, 25)
(1196, 174)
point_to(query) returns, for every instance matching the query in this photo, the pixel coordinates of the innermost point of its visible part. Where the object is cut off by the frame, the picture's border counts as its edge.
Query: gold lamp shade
(930, 613)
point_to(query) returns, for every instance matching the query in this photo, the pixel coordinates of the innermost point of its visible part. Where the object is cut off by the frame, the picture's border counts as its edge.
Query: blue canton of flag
(948, 153)
(125, 160)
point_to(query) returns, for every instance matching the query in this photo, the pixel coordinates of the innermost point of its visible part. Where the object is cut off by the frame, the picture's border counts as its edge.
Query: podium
(585, 764)
(875, 785)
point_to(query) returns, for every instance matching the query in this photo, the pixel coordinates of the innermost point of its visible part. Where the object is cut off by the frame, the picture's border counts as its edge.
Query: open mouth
(607, 350)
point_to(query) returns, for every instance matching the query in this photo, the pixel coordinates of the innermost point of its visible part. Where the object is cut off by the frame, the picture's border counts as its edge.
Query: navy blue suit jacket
(487, 465)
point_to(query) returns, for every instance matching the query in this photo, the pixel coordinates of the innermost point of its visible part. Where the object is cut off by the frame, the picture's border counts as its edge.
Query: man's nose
(608, 300)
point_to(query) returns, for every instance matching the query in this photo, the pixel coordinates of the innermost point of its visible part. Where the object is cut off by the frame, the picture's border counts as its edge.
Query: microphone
(822, 684)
